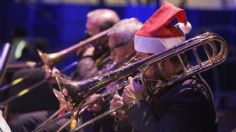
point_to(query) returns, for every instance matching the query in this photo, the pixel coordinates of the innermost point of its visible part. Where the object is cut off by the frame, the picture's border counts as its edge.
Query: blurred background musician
(95, 55)
(97, 21)
(21, 49)
(184, 106)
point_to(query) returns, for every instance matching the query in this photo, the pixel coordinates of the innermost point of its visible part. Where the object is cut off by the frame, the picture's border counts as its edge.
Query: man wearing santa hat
(185, 106)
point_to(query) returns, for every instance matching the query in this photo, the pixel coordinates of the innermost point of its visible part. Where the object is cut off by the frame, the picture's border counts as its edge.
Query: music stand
(4, 59)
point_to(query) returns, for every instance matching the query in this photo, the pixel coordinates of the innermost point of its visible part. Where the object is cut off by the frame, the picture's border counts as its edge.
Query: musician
(97, 21)
(186, 105)
(121, 44)
(121, 38)
(21, 48)
(95, 57)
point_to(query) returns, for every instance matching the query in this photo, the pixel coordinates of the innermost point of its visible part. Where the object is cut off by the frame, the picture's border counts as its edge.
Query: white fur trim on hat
(185, 28)
(155, 45)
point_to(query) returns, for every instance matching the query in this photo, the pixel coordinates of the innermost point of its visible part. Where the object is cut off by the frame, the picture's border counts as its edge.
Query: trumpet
(51, 59)
(213, 46)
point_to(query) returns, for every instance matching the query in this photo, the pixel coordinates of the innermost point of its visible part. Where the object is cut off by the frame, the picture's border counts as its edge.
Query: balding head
(100, 19)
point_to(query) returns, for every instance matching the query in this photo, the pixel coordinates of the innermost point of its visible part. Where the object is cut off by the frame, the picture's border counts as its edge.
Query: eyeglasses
(118, 46)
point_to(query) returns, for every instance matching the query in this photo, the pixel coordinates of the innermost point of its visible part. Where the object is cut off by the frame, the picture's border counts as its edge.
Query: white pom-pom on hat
(158, 34)
(185, 28)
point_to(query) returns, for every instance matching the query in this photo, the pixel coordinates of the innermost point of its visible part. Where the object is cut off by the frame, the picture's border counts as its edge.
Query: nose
(112, 55)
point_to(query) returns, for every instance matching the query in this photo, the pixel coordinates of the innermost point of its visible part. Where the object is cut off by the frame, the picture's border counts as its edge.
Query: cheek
(92, 30)
(88, 27)
(149, 72)
(112, 56)
(121, 54)
(167, 68)
(153, 72)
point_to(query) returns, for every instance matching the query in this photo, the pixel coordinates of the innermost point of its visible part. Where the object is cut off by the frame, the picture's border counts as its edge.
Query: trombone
(109, 92)
(213, 45)
(50, 120)
(49, 61)
(128, 59)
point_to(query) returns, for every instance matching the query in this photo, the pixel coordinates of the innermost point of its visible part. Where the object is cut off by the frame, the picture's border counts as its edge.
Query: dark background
(64, 25)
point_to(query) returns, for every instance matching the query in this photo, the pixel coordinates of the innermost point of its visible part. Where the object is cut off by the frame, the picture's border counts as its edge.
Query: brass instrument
(51, 120)
(214, 47)
(51, 59)
(126, 60)
(112, 91)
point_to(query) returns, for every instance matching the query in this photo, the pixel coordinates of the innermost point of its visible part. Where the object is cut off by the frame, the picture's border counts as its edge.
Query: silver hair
(126, 29)
(104, 15)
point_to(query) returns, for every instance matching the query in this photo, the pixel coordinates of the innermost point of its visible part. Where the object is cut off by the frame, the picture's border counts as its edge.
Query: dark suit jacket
(186, 106)
(41, 98)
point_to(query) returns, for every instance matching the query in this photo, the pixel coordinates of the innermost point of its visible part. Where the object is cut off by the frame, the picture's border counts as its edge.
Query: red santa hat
(158, 33)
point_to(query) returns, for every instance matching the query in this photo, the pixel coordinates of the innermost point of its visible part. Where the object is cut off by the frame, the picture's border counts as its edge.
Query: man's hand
(89, 51)
(97, 105)
(133, 92)
(121, 113)
(50, 72)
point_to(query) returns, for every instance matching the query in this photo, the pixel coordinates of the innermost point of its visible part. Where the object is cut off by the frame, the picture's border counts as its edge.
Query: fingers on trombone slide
(117, 102)
(96, 106)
